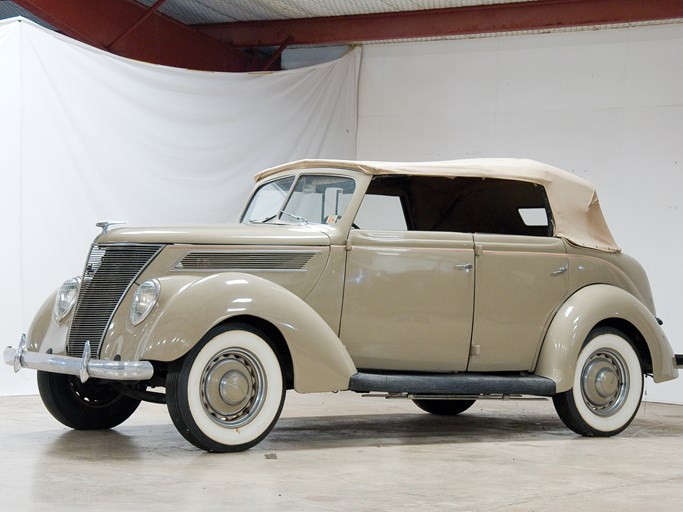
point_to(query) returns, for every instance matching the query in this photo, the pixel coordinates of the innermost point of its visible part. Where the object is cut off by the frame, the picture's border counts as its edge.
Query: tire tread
(59, 400)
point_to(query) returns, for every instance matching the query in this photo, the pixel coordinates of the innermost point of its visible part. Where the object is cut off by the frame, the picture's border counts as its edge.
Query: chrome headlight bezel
(66, 298)
(144, 300)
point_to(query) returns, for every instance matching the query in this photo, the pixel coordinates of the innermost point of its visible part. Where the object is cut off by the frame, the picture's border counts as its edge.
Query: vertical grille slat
(109, 272)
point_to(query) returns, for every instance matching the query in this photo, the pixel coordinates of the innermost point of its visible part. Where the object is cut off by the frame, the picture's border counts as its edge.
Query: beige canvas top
(573, 200)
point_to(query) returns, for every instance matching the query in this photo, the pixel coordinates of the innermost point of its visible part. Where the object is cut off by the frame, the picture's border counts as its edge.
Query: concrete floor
(343, 452)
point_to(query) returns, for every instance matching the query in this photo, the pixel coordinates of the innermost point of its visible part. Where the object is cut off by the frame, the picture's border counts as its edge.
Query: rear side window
(534, 217)
(379, 211)
(466, 205)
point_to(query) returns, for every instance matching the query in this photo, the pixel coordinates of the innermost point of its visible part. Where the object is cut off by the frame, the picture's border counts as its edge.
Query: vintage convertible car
(442, 283)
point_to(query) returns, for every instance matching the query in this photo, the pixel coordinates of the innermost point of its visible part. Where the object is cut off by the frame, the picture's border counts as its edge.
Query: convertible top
(573, 200)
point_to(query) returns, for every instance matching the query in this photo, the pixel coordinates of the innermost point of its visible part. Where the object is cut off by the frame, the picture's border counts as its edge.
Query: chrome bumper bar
(84, 368)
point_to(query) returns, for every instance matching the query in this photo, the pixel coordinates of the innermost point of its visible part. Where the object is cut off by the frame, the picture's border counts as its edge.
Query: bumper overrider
(84, 367)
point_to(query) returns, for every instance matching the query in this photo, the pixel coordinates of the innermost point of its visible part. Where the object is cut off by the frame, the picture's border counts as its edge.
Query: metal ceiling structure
(240, 35)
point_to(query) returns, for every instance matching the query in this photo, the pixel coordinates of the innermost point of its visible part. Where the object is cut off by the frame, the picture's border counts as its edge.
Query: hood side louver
(244, 261)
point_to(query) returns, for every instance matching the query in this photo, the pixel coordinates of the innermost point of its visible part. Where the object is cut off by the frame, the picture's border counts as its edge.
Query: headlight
(144, 300)
(66, 298)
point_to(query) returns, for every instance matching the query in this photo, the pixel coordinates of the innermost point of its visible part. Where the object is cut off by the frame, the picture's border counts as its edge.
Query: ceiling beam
(129, 29)
(480, 19)
(152, 9)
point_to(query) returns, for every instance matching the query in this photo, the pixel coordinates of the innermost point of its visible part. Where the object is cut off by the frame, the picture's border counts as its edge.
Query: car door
(521, 281)
(408, 300)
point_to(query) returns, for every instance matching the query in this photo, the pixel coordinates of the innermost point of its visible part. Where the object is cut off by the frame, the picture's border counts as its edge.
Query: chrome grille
(267, 260)
(109, 272)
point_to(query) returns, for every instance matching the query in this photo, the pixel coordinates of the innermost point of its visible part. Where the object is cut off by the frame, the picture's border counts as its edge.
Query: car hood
(221, 234)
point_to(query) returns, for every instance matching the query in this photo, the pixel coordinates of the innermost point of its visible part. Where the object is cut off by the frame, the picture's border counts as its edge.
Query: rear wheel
(89, 405)
(227, 393)
(444, 407)
(608, 386)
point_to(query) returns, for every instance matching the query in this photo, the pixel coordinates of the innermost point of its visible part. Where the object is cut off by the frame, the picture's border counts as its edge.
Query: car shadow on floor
(411, 429)
(357, 431)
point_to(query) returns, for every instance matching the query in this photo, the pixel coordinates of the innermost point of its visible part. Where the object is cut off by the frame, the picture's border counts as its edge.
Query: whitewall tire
(227, 393)
(607, 388)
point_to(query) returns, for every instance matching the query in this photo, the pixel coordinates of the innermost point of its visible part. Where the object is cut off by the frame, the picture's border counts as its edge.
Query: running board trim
(452, 384)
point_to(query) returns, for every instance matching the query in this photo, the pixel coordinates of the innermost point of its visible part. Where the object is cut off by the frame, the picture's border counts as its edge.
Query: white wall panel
(12, 305)
(605, 104)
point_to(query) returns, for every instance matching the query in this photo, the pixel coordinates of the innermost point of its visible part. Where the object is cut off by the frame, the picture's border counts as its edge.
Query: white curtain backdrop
(605, 104)
(87, 136)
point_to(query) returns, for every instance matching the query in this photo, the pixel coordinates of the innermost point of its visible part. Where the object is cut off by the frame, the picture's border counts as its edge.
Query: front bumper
(83, 368)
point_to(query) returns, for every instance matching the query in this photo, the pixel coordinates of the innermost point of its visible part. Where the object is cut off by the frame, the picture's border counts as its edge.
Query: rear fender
(580, 314)
(195, 305)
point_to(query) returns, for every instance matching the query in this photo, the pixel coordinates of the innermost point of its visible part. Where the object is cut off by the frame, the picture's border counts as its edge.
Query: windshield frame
(276, 218)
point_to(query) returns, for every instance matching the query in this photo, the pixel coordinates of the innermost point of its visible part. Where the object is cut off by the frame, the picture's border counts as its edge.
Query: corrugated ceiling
(194, 12)
(11, 10)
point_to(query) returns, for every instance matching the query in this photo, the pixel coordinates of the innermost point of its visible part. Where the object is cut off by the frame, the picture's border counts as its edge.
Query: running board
(452, 384)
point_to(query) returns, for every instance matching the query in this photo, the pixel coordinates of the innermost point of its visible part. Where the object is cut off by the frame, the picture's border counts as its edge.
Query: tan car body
(384, 300)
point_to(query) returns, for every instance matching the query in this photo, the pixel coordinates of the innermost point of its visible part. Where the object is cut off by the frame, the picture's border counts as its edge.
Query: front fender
(45, 333)
(320, 360)
(580, 314)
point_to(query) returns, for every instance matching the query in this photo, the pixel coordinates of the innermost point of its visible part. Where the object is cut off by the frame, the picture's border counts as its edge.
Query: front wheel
(227, 393)
(608, 386)
(89, 405)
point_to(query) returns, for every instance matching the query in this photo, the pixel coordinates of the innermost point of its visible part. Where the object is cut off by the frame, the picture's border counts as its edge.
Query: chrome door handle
(560, 271)
(466, 267)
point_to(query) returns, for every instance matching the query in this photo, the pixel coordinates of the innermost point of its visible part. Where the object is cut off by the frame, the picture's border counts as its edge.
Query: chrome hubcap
(604, 382)
(233, 387)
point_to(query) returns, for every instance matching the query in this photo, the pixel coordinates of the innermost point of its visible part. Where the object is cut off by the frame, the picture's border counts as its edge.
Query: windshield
(313, 199)
(267, 202)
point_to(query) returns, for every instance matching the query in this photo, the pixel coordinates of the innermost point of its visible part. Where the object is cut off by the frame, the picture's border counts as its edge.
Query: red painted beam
(490, 18)
(157, 38)
(150, 12)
